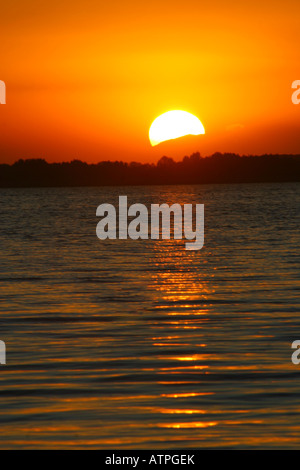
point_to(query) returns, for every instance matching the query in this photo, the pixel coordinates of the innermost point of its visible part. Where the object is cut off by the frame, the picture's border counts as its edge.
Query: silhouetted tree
(218, 168)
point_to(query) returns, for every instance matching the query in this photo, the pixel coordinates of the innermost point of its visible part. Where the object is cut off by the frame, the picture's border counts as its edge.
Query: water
(142, 344)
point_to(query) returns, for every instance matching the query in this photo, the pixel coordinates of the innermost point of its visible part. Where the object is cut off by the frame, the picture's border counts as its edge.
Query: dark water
(142, 344)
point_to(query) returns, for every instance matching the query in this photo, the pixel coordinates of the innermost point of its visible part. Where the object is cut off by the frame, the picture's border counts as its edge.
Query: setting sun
(174, 124)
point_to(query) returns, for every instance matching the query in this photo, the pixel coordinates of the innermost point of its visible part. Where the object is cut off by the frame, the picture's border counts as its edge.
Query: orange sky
(86, 79)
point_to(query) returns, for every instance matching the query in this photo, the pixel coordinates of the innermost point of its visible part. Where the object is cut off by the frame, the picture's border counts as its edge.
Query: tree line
(194, 169)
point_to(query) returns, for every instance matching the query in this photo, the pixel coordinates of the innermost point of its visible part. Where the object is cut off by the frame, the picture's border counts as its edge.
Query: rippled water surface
(141, 344)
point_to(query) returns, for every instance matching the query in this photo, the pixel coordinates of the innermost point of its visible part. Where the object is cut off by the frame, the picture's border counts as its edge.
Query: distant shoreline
(216, 169)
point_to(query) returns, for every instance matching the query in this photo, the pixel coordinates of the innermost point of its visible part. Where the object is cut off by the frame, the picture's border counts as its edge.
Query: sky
(85, 80)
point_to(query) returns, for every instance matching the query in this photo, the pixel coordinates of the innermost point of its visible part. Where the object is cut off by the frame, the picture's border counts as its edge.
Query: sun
(174, 124)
